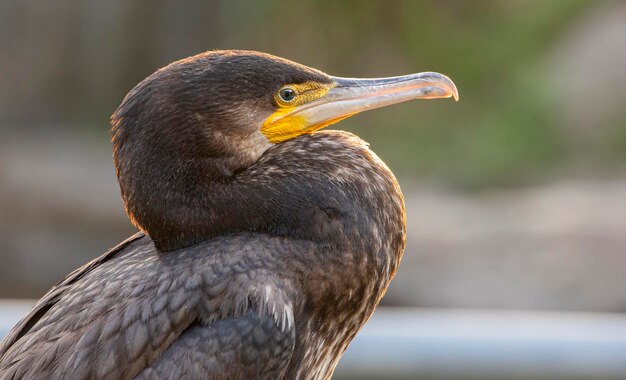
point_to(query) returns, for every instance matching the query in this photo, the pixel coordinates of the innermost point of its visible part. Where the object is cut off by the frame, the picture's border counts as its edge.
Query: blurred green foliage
(501, 132)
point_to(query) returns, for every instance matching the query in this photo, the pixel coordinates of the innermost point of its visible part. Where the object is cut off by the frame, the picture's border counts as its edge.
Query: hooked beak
(349, 96)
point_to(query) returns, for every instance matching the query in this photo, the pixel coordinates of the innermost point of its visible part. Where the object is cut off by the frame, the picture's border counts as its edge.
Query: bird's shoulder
(119, 313)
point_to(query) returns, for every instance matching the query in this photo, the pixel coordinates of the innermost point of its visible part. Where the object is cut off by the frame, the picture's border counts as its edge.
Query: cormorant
(265, 246)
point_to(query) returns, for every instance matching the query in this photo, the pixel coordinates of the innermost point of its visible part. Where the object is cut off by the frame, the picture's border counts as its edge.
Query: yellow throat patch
(285, 123)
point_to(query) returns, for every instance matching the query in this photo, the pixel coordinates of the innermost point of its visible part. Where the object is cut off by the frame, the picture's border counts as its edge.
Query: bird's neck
(182, 202)
(301, 189)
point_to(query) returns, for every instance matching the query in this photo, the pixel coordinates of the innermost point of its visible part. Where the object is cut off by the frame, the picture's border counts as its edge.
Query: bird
(265, 242)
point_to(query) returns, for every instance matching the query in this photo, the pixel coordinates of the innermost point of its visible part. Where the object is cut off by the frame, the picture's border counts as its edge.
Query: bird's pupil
(287, 94)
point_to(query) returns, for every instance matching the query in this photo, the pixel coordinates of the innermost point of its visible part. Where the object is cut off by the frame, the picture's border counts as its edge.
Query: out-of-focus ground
(516, 195)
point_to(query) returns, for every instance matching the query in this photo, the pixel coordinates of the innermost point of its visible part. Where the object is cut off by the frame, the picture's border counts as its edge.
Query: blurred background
(516, 195)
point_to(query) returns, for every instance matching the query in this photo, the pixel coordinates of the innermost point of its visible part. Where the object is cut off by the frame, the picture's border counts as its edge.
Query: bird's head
(236, 104)
(192, 126)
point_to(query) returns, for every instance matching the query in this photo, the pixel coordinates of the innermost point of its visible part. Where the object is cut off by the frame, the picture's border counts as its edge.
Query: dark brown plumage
(257, 258)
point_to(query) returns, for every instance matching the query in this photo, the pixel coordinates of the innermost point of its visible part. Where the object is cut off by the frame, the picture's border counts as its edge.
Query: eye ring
(287, 94)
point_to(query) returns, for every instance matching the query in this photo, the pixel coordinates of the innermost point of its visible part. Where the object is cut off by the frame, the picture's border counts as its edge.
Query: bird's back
(135, 312)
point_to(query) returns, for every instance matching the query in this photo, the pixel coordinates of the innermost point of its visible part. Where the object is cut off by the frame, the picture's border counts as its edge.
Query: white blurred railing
(415, 343)
(479, 344)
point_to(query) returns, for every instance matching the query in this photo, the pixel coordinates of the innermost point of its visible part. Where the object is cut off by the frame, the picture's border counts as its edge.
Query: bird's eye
(287, 94)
